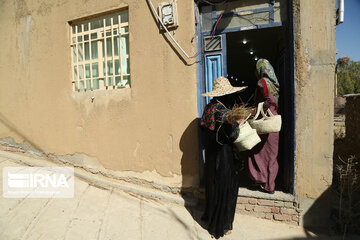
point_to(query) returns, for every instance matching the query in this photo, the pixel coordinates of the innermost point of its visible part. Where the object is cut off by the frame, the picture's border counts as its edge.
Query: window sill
(96, 96)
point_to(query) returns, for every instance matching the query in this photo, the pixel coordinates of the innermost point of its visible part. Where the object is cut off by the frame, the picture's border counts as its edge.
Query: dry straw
(238, 112)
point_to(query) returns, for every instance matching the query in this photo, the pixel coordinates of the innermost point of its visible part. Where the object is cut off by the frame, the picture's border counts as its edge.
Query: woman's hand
(253, 112)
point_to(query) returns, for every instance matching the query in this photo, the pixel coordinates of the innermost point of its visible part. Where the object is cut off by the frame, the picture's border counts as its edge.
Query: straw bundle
(238, 112)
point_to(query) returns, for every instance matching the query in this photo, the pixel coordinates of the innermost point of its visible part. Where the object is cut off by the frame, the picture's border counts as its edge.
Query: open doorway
(243, 48)
(268, 33)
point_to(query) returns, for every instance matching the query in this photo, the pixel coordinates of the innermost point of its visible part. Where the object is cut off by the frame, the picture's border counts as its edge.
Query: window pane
(115, 19)
(80, 52)
(76, 86)
(87, 70)
(108, 47)
(82, 85)
(125, 44)
(81, 71)
(110, 68)
(79, 28)
(108, 21)
(75, 73)
(118, 81)
(95, 70)
(74, 40)
(74, 29)
(86, 27)
(74, 54)
(88, 84)
(124, 30)
(124, 16)
(87, 51)
(117, 67)
(86, 37)
(94, 36)
(124, 53)
(126, 80)
(116, 46)
(79, 38)
(94, 50)
(97, 23)
(110, 81)
(96, 84)
(125, 66)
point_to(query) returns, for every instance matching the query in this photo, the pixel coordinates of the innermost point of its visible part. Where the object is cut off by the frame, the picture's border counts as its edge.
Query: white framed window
(100, 52)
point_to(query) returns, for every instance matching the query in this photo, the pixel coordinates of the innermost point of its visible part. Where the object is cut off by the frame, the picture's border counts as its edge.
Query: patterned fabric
(208, 117)
(266, 71)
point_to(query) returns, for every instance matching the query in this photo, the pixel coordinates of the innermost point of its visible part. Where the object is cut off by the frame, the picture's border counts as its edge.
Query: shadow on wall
(342, 198)
(191, 170)
(337, 210)
(311, 236)
(12, 127)
(190, 160)
(319, 221)
(317, 218)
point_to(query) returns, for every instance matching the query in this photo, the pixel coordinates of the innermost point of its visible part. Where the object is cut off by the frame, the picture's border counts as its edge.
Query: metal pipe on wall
(340, 12)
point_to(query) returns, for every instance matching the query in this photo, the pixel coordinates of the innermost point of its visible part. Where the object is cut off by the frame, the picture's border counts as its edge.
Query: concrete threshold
(101, 181)
(278, 195)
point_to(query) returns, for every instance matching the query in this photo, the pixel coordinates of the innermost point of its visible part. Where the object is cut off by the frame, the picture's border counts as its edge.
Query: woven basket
(269, 123)
(247, 138)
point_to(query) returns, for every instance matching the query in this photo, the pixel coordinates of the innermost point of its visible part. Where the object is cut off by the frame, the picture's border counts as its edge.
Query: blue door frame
(215, 65)
(206, 76)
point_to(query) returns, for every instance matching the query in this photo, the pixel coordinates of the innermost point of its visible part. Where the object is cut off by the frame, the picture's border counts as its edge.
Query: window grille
(100, 52)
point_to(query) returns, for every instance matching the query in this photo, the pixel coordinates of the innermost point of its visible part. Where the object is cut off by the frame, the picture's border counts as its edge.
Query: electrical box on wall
(168, 14)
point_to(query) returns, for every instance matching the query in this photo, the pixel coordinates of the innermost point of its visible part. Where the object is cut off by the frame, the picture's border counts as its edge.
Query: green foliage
(348, 76)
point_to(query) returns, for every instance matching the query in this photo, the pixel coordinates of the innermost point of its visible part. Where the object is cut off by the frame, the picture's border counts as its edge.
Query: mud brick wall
(352, 123)
(276, 210)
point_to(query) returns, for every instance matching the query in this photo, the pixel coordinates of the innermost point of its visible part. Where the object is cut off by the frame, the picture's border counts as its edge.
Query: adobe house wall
(148, 128)
(315, 52)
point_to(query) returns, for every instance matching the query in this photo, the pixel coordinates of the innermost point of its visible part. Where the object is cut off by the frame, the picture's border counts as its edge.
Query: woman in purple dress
(263, 158)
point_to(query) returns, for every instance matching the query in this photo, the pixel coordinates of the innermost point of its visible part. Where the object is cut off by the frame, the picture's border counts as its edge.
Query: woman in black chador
(220, 174)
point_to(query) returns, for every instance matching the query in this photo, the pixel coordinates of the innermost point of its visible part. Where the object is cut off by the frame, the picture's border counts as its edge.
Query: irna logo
(38, 182)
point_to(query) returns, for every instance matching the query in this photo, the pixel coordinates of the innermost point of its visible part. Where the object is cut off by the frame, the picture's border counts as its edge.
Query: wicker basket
(269, 123)
(247, 138)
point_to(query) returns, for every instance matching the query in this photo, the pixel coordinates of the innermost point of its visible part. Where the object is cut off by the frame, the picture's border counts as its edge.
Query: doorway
(234, 46)
(244, 48)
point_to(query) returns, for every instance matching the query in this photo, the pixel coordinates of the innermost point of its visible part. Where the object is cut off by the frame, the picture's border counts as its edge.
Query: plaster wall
(148, 128)
(315, 49)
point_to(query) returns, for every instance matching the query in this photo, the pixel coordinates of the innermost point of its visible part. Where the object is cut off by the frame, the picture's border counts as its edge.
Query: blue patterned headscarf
(266, 71)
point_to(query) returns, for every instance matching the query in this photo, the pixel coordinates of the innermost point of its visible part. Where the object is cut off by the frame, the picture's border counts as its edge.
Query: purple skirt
(263, 159)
